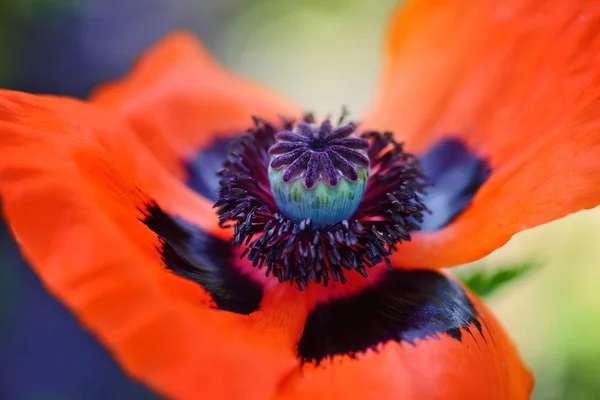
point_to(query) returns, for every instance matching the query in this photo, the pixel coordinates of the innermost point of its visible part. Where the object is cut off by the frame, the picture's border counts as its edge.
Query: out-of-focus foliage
(19, 11)
(15, 17)
(324, 54)
(484, 282)
(70, 46)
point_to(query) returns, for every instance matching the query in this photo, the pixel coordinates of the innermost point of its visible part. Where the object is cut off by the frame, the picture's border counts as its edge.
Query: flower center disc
(309, 201)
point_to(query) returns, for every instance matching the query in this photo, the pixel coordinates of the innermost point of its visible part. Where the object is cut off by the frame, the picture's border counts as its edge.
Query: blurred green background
(322, 54)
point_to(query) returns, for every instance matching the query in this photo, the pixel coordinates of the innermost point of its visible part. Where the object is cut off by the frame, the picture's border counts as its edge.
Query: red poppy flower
(111, 201)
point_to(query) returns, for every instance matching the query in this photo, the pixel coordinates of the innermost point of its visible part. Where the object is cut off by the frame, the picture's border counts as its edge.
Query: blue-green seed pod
(318, 173)
(323, 205)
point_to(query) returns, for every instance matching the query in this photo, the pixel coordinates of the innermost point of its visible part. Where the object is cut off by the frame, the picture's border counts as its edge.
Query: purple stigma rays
(314, 153)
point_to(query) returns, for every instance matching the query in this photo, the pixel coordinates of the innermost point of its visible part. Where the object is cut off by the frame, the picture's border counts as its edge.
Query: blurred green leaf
(15, 18)
(27, 10)
(485, 282)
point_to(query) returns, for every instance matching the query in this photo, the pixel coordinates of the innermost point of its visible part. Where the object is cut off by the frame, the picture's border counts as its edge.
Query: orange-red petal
(73, 191)
(482, 365)
(519, 82)
(178, 99)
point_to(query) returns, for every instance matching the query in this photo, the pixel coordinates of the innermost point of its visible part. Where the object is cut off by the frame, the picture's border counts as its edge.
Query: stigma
(318, 172)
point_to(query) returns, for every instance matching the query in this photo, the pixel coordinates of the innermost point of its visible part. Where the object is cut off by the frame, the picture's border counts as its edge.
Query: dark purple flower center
(298, 250)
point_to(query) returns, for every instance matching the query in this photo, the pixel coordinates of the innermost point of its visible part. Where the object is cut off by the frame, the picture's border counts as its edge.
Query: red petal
(520, 84)
(477, 367)
(178, 99)
(73, 184)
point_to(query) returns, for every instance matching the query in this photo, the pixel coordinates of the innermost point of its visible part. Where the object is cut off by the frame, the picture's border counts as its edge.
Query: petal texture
(519, 83)
(73, 192)
(179, 99)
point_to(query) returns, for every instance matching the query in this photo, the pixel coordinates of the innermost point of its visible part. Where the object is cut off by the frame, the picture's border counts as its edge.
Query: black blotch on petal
(202, 168)
(194, 254)
(457, 173)
(403, 306)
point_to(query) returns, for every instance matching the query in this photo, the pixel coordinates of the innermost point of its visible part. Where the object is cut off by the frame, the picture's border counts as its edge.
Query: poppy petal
(520, 86)
(180, 100)
(415, 335)
(73, 192)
